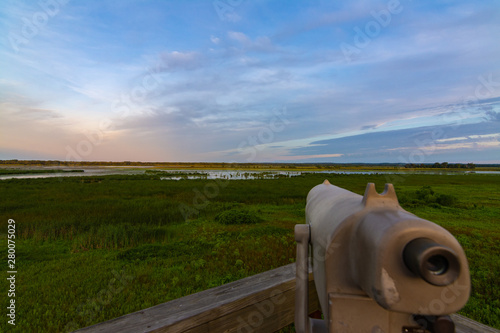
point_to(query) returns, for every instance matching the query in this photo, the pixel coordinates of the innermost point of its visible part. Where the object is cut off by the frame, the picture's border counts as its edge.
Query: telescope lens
(437, 265)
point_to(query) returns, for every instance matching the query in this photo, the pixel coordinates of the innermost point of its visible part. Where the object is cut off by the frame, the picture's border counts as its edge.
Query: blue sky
(250, 81)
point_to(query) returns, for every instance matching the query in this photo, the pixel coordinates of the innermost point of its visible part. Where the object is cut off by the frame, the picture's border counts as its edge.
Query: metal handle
(439, 324)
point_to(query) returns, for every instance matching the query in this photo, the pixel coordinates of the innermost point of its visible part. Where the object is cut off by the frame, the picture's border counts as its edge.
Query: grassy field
(89, 249)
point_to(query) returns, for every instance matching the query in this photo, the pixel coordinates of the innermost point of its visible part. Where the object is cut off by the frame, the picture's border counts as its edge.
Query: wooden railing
(259, 303)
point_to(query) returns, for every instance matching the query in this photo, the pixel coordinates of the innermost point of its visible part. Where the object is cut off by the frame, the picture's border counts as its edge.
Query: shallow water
(86, 172)
(250, 175)
(180, 174)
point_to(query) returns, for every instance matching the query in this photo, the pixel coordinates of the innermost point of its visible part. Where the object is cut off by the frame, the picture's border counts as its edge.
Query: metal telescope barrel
(377, 265)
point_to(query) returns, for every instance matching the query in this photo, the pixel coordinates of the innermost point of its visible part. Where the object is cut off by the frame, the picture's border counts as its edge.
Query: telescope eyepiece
(435, 263)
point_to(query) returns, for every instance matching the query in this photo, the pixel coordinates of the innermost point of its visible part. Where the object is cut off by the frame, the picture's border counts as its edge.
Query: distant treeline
(223, 165)
(182, 165)
(444, 165)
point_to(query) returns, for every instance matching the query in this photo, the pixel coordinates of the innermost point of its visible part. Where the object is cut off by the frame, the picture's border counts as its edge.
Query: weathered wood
(265, 300)
(466, 325)
(259, 303)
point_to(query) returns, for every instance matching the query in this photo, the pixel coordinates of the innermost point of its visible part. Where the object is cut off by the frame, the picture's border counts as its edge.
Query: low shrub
(237, 216)
(425, 196)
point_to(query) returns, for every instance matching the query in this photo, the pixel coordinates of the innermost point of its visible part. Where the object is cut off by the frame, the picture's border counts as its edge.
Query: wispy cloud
(196, 88)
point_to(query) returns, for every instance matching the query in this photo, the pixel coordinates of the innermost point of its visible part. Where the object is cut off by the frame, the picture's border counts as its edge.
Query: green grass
(92, 249)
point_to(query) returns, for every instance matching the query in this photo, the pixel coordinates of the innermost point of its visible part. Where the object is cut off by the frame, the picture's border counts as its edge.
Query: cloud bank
(253, 81)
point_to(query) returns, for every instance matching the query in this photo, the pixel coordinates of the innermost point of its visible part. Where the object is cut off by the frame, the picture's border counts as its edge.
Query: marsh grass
(73, 235)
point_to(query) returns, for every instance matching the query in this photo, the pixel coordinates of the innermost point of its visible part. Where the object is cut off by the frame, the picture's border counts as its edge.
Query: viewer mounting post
(377, 268)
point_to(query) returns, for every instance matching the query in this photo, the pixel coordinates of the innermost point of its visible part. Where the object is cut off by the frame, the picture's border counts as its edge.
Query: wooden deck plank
(466, 325)
(260, 303)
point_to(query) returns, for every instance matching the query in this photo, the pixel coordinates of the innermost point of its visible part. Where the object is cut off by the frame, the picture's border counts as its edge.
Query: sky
(250, 81)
